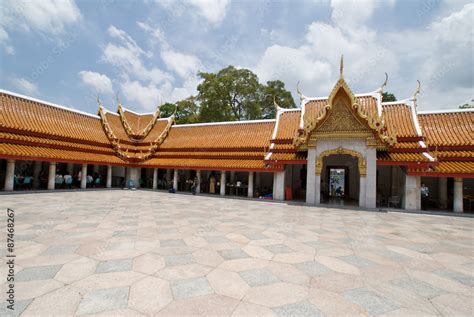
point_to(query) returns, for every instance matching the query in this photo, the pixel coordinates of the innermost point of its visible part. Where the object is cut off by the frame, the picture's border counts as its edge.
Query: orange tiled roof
(59, 155)
(398, 119)
(31, 117)
(38, 130)
(448, 129)
(243, 135)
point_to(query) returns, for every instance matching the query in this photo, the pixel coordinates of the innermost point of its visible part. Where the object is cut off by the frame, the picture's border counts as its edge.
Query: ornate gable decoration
(343, 117)
(137, 135)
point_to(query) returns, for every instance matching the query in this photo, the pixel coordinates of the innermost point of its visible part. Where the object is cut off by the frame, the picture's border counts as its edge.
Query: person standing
(425, 192)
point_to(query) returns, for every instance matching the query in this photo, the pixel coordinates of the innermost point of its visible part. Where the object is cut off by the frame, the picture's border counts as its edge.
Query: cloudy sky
(67, 52)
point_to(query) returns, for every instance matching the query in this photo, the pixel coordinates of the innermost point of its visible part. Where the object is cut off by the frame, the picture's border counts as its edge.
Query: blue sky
(67, 52)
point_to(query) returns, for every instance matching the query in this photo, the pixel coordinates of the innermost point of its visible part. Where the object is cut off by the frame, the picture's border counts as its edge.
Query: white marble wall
(368, 184)
(412, 195)
(279, 185)
(311, 181)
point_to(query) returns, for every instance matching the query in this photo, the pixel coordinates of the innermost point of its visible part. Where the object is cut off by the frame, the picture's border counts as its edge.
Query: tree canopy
(387, 97)
(231, 94)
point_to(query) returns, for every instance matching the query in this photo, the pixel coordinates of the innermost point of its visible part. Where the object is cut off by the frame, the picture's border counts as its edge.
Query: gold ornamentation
(367, 121)
(339, 151)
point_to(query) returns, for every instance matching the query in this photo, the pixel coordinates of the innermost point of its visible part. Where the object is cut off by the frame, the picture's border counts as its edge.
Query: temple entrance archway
(340, 179)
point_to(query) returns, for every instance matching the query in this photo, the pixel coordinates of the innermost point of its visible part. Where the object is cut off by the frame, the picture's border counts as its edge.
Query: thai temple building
(346, 148)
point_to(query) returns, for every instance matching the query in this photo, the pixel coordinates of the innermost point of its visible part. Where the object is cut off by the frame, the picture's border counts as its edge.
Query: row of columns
(10, 175)
(412, 197)
(278, 185)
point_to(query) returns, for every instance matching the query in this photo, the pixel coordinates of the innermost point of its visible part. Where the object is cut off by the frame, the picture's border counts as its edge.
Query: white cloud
(49, 17)
(101, 83)
(184, 65)
(316, 61)
(214, 11)
(25, 86)
(143, 85)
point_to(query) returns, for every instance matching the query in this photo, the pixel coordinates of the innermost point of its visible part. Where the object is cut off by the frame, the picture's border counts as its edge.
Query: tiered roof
(433, 144)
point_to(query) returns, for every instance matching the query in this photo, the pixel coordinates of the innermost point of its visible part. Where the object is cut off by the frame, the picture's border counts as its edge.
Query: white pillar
(109, 176)
(317, 189)
(84, 176)
(175, 180)
(279, 185)
(313, 181)
(223, 183)
(412, 195)
(37, 165)
(362, 191)
(443, 192)
(371, 178)
(155, 178)
(250, 185)
(10, 175)
(458, 195)
(51, 175)
(198, 185)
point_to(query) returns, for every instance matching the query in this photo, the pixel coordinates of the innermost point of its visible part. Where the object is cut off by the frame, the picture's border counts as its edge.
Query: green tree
(275, 90)
(167, 109)
(387, 97)
(466, 106)
(187, 110)
(236, 94)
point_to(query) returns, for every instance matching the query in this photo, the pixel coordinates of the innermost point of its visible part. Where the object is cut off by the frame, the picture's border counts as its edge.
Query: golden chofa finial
(302, 97)
(384, 83)
(417, 92)
(117, 98)
(341, 67)
(98, 101)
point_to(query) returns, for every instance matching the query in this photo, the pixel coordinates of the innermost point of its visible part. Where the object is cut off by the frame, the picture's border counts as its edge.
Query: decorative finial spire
(98, 101)
(341, 68)
(277, 107)
(384, 83)
(117, 98)
(417, 91)
(302, 97)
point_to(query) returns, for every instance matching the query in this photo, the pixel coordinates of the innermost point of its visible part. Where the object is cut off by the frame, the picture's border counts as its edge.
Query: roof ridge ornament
(277, 107)
(417, 92)
(117, 98)
(341, 68)
(384, 84)
(302, 97)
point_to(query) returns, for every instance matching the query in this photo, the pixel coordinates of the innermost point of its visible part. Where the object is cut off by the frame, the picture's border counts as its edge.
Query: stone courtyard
(153, 253)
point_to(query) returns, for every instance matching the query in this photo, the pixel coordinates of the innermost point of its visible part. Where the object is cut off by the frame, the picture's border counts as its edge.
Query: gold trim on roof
(372, 120)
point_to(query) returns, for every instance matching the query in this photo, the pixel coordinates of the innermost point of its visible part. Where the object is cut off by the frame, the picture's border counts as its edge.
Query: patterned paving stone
(18, 308)
(184, 259)
(37, 273)
(190, 288)
(234, 254)
(172, 243)
(312, 268)
(102, 300)
(114, 266)
(318, 256)
(218, 239)
(303, 309)
(259, 277)
(61, 249)
(457, 276)
(278, 248)
(357, 261)
(419, 287)
(374, 303)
